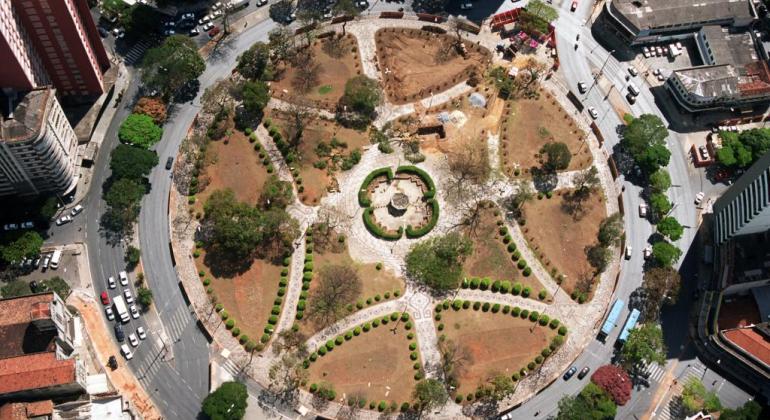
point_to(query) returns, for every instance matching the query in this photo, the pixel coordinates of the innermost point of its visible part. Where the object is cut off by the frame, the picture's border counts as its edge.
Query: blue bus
(612, 318)
(630, 324)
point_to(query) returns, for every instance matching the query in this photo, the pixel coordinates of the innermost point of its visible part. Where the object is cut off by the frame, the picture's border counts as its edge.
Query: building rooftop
(726, 80)
(26, 410)
(644, 14)
(23, 116)
(25, 325)
(25, 309)
(35, 371)
(752, 342)
(730, 48)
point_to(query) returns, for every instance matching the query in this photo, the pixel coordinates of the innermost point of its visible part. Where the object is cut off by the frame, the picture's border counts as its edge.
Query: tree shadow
(223, 265)
(544, 180)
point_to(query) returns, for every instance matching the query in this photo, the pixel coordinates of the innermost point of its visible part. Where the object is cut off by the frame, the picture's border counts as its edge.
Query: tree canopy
(16, 247)
(124, 193)
(280, 10)
(438, 262)
(256, 95)
(429, 394)
(615, 381)
(593, 403)
(661, 285)
(542, 11)
(749, 411)
(645, 141)
(132, 162)
(357, 105)
(744, 148)
(670, 227)
(276, 193)
(338, 285)
(140, 130)
(556, 156)
(643, 346)
(695, 398)
(228, 402)
(660, 181)
(610, 230)
(660, 204)
(665, 254)
(253, 62)
(172, 65)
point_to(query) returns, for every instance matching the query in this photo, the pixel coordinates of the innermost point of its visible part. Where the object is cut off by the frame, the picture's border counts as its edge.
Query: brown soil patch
(315, 182)
(248, 297)
(375, 364)
(558, 239)
(529, 124)
(333, 73)
(374, 282)
(234, 165)
(493, 343)
(490, 257)
(411, 71)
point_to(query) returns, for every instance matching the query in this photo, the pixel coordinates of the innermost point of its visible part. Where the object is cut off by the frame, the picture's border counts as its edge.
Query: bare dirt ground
(413, 63)
(315, 182)
(486, 341)
(559, 239)
(375, 365)
(528, 124)
(234, 165)
(332, 74)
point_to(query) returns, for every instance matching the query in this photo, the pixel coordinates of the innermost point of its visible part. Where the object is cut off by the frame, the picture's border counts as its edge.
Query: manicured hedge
(377, 231)
(363, 198)
(416, 233)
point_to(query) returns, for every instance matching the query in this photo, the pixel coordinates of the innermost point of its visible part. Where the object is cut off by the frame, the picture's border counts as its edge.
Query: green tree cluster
(132, 162)
(429, 394)
(438, 262)
(357, 105)
(254, 63)
(256, 95)
(593, 403)
(645, 141)
(276, 193)
(695, 398)
(172, 65)
(228, 402)
(140, 130)
(16, 246)
(665, 254)
(670, 228)
(556, 156)
(643, 347)
(741, 149)
(610, 232)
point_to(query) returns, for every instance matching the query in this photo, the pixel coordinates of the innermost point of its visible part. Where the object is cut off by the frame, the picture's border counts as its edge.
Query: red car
(105, 299)
(214, 31)
(574, 6)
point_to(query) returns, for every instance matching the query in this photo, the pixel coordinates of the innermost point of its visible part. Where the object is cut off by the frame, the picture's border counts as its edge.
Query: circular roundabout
(398, 204)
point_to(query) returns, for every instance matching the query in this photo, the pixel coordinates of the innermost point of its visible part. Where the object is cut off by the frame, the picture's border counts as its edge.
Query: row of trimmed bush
(363, 197)
(372, 300)
(376, 230)
(416, 233)
(411, 169)
(507, 240)
(500, 286)
(307, 274)
(515, 311)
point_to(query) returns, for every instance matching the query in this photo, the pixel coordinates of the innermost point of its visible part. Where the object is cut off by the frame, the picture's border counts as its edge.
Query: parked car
(647, 252)
(111, 283)
(140, 332)
(632, 71)
(103, 32)
(208, 26)
(214, 32)
(64, 220)
(630, 98)
(105, 298)
(216, 14)
(699, 198)
(133, 340)
(592, 112)
(204, 20)
(169, 32)
(582, 87)
(76, 210)
(573, 7)
(126, 352)
(128, 295)
(27, 225)
(123, 278)
(119, 332)
(628, 252)
(46, 261)
(466, 6)
(633, 89)
(362, 4)
(109, 313)
(568, 374)
(169, 162)
(194, 32)
(643, 210)
(261, 3)
(134, 311)
(584, 372)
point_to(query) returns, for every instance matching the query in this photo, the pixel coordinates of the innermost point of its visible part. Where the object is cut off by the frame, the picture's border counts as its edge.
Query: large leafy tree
(358, 103)
(670, 227)
(228, 402)
(338, 285)
(643, 346)
(253, 62)
(660, 181)
(140, 130)
(256, 95)
(132, 162)
(665, 254)
(276, 193)
(614, 381)
(593, 403)
(610, 230)
(438, 262)
(124, 193)
(661, 285)
(645, 141)
(16, 247)
(556, 156)
(429, 394)
(660, 204)
(172, 65)
(744, 148)
(749, 411)
(695, 398)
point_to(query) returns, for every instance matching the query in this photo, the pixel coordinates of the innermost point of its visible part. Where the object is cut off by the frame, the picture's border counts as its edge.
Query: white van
(633, 89)
(54, 264)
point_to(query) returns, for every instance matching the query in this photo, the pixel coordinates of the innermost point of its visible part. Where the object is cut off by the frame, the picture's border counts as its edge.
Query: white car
(169, 32)
(134, 311)
(207, 27)
(123, 278)
(12, 226)
(75, 211)
(133, 340)
(581, 87)
(126, 352)
(632, 71)
(217, 5)
(111, 283)
(261, 3)
(466, 6)
(642, 210)
(592, 112)
(216, 14)
(63, 220)
(628, 252)
(204, 20)
(110, 314)
(140, 332)
(647, 252)
(128, 295)
(699, 198)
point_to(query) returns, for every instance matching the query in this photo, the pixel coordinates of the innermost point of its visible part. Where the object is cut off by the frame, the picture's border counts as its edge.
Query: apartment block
(745, 207)
(38, 148)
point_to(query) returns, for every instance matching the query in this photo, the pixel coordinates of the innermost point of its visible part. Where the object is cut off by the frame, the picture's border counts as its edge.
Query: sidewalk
(122, 378)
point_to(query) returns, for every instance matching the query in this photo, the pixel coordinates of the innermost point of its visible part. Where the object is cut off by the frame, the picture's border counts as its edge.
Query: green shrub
(527, 271)
(539, 359)
(265, 338)
(485, 282)
(363, 198)
(546, 352)
(339, 340)
(367, 327)
(413, 355)
(495, 286)
(495, 308)
(330, 345)
(543, 320)
(376, 230)
(476, 306)
(466, 304)
(272, 320)
(439, 308)
(526, 292)
(412, 346)
(511, 247)
(408, 325)
(475, 283)
(505, 287)
(416, 233)
(376, 323)
(554, 323)
(457, 305)
(516, 289)
(485, 307)
(525, 313)
(531, 365)
(562, 330)
(506, 309)
(521, 264)
(533, 316)
(542, 295)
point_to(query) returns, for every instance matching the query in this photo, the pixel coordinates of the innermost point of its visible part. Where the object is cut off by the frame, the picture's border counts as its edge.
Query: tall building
(51, 40)
(745, 207)
(38, 148)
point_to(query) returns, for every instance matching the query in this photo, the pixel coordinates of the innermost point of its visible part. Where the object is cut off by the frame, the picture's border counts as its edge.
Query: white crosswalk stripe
(231, 367)
(178, 322)
(655, 371)
(136, 52)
